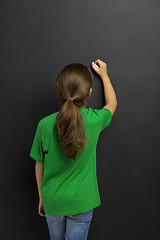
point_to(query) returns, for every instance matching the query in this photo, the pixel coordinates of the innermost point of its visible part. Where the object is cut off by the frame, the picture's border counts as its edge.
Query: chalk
(95, 65)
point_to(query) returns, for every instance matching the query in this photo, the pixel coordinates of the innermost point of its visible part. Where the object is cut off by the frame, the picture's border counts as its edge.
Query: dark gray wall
(38, 38)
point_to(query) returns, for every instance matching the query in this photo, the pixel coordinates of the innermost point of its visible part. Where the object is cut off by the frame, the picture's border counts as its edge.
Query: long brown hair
(74, 81)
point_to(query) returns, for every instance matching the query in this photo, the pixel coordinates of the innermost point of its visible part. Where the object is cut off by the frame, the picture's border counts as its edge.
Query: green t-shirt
(69, 187)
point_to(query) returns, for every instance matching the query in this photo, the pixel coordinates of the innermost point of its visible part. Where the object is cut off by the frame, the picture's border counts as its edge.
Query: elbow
(116, 102)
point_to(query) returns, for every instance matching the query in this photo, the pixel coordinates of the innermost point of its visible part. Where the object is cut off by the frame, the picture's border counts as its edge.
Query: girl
(64, 148)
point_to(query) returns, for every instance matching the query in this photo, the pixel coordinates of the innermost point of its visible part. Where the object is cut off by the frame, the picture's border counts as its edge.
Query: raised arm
(110, 97)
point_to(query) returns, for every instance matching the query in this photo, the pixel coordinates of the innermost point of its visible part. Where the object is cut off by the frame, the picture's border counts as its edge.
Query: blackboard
(38, 38)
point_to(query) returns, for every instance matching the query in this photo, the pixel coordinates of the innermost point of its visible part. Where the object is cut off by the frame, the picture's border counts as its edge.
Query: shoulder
(98, 112)
(47, 119)
(101, 117)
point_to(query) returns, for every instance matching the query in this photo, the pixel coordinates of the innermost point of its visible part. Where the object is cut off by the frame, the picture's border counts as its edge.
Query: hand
(40, 208)
(102, 68)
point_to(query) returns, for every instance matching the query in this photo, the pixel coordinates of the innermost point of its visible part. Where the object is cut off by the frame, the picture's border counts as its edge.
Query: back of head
(73, 85)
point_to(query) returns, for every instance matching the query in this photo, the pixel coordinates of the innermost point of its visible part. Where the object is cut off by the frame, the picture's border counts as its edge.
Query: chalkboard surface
(38, 38)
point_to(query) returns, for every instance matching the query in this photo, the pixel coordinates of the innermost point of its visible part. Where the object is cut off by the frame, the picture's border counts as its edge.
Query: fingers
(41, 212)
(100, 67)
(98, 62)
(95, 67)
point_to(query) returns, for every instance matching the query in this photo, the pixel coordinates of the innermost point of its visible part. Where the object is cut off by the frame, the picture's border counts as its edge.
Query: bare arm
(110, 96)
(39, 169)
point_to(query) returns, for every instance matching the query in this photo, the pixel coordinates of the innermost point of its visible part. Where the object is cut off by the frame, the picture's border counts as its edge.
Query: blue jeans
(71, 227)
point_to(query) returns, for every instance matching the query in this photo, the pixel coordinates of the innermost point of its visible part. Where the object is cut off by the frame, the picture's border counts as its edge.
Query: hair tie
(70, 99)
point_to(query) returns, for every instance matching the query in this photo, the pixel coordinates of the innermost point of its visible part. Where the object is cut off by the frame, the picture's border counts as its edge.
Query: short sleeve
(104, 118)
(36, 151)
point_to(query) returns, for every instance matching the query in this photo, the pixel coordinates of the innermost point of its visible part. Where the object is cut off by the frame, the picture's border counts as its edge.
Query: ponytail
(75, 81)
